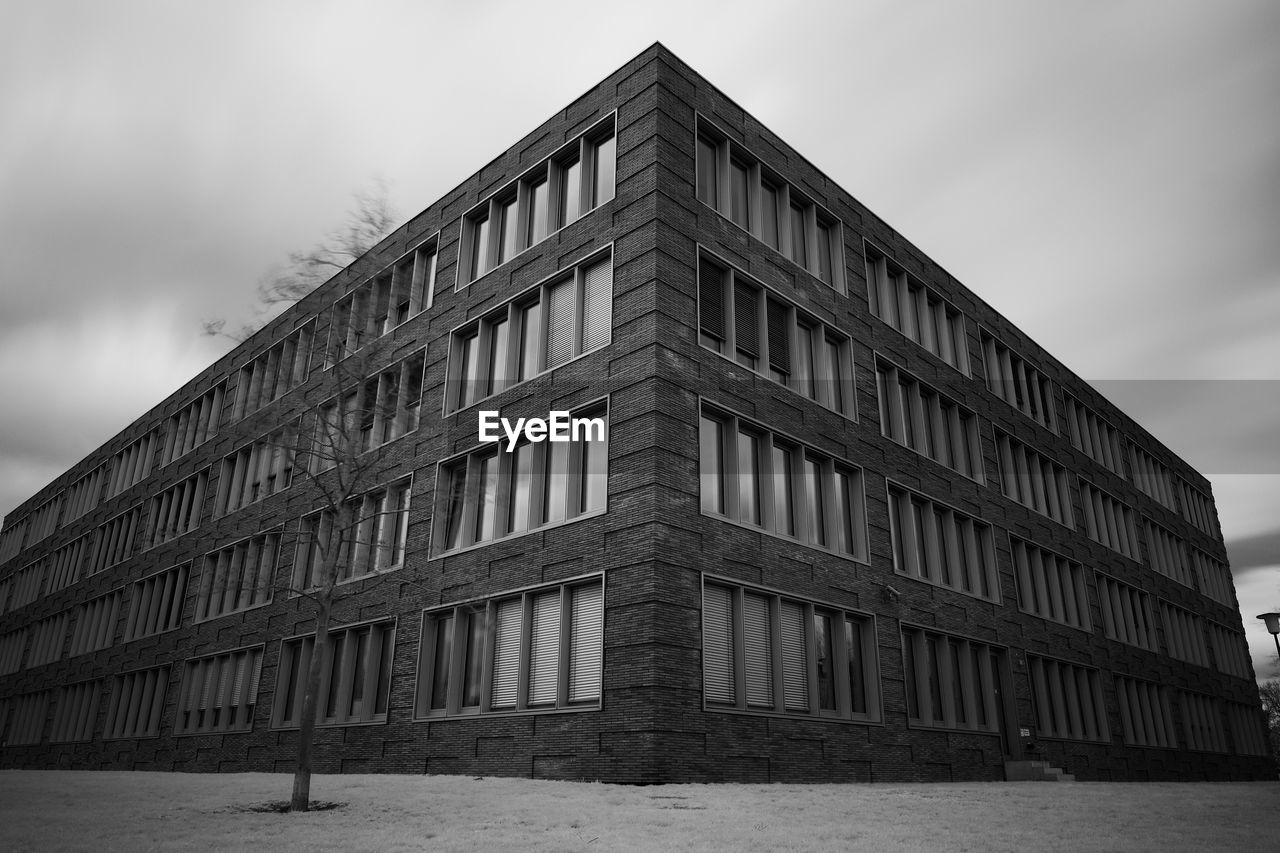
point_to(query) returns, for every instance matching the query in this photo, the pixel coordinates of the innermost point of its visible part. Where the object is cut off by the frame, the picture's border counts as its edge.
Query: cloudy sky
(1106, 174)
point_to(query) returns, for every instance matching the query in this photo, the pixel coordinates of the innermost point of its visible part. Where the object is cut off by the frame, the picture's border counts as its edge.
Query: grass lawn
(72, 810)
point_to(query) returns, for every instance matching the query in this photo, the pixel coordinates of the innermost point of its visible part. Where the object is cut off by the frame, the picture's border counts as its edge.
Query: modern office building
(830, 516)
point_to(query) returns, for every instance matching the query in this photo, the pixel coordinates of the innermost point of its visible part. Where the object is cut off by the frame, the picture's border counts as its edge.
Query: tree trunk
(301, 801)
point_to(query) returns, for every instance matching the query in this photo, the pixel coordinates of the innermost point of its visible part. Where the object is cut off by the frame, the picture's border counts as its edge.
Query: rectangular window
(355, 677)
(511, 343)
(1049, 585)
(556, 192)
(537, 650)
(193, 424)
(84, 494)
(708, 171)
(1167, 554)
(275, 372)
(489, 494)
(743, 320)
(44, 520)
(65, 563)
(1068, 700)
(942, 546)
(12, 538)
(1214, 577)
(1144, 713)
(257, 470)
(25, 718)
(27, 584)
(1033, 480)
(219, 693)
(95, 627)
(1197, 508)
(1184, 635)
(1202, 722)
(376, 411)
(1248, 729)
(1095, 437)
(238, 576)
(813, 497)
(176, 511)
(1230, 651)
(916, 310)
(1152, 477)
(798, 250)
(1126, 613)
(12, 647)
(952, 682)
(136, 703)
(114, 541)
(1014, 380)
(374, 542)
(538, 213)
(928, 422)
(1108, 521)
(739, 212)
(769, 196)
(75, 712)
(762, 652)
(48, 636)
(734, 183)
(155, 605)
(131, 465)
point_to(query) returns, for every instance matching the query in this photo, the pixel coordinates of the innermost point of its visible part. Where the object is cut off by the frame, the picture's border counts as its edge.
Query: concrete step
(1035, 771)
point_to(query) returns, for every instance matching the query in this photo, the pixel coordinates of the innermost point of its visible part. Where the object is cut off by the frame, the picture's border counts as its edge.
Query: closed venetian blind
(711, 299)
(758, 649)
(717, 644)
(506, 654)
(795, 675)
(544, 649)
(585, 640)
(597, 314)
(560, 321)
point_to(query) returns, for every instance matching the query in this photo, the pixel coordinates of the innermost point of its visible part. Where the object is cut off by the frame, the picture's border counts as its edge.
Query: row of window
(739, 187)
(743, 320)
(569, 315)
(556, 192)
(765, 652)
(241, 575)
(761, 478)
(385, 301)
(492, 492)
(540, 649)
(916, 310)
(927, 421)
(1034, 480)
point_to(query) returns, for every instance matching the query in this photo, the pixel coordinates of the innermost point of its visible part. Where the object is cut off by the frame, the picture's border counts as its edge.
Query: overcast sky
(1105, 174)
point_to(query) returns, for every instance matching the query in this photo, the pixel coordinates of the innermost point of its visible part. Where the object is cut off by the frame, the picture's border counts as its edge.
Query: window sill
(866, 561)
(510, 536)
(851, 418)
(437, 716)
(800, 716)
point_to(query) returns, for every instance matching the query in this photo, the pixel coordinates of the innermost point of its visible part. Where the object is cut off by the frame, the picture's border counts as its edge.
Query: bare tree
(358, 525)
(371, 219)
(333, 449)
(1270, 693)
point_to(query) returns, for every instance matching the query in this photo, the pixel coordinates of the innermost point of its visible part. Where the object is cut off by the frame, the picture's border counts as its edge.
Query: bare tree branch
(371, 219)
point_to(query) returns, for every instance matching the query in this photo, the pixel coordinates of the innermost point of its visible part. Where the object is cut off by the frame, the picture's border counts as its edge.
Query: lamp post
(1272, 621)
